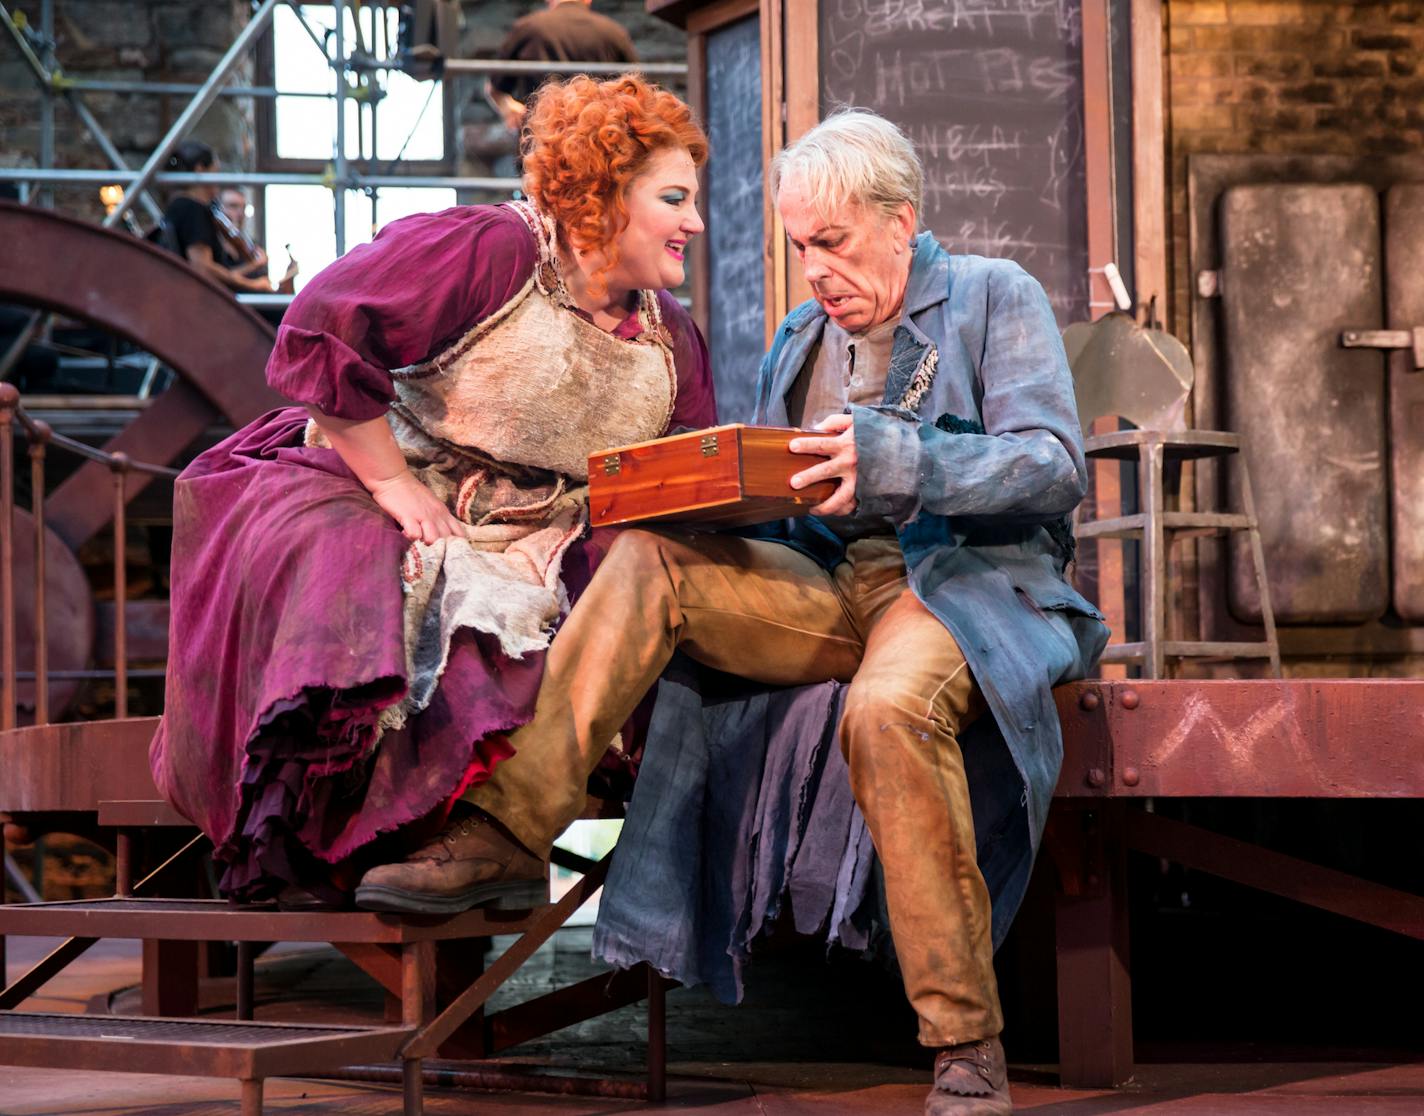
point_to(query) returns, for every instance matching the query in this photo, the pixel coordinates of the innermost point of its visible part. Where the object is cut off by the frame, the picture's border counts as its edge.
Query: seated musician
(931, 580)
(238, 251)
(190, 226)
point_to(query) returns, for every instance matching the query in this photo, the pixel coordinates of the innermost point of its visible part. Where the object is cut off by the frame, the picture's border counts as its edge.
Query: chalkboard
(734, 239)
(991, 94)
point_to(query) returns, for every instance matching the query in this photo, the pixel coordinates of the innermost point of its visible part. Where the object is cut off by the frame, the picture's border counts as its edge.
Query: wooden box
(724, 476)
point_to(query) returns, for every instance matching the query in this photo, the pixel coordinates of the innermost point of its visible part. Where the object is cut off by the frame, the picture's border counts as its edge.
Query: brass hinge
(612, 465)
(709, 445)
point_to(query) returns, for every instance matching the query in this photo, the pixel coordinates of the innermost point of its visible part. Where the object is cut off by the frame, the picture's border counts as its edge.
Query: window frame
(269, 162)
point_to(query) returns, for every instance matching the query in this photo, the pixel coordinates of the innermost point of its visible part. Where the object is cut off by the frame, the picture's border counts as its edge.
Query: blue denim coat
(729, 815)
(971, 509)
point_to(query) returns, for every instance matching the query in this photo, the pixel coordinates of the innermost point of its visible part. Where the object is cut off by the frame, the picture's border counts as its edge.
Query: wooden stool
(1150, 449)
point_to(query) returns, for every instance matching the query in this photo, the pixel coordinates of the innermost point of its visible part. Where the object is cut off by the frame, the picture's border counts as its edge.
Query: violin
(245, 250)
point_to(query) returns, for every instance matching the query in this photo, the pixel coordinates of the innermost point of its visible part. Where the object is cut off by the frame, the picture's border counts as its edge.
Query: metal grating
(36, 1025)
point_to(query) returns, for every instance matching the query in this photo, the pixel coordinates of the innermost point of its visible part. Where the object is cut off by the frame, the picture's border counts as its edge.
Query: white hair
(854, 156)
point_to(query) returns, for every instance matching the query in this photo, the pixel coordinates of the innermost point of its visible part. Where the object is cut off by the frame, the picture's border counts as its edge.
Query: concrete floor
(802, 1045)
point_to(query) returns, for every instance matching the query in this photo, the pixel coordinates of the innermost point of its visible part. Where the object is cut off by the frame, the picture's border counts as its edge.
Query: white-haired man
(931, 581)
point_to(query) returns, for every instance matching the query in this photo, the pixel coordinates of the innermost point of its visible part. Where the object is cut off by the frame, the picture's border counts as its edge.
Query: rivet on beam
(1129, 699)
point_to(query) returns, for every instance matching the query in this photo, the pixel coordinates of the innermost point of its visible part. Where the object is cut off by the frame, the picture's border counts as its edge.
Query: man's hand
(840, 464)
(421, 515)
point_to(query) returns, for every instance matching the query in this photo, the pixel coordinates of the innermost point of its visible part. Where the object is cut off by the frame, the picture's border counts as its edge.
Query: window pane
(304, 218)
(409, 113)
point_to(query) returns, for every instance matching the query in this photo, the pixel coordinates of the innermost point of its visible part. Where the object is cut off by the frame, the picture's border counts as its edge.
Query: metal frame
(339, 178)
(441, 995)
(1258, 738)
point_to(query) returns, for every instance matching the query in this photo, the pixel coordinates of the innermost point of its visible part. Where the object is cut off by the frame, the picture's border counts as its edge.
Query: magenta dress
(286, 637)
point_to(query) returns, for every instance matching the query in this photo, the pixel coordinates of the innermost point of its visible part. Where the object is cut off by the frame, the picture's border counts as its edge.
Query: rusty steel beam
(74, 767)
(155, 300)
(1276, 873)
(1257, 738)
(563, 1007)
(427, 1042)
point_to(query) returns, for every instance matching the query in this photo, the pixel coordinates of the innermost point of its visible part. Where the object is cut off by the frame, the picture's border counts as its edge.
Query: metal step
(1186, 649)
(190, 1047)
(1132, 526)
(214, 920)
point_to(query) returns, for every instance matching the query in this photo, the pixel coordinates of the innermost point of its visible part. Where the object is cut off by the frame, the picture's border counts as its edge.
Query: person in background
(191, 229)
(239, 252)
(565, 31)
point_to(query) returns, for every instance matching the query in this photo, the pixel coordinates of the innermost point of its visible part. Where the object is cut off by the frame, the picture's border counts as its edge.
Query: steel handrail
(39, 437)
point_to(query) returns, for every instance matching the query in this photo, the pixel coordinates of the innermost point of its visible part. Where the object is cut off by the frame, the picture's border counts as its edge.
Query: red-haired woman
(364, 586)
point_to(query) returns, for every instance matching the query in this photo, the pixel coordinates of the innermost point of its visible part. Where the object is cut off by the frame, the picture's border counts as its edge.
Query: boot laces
(467, 825)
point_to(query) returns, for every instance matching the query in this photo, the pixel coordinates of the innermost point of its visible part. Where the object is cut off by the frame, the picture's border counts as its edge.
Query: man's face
(234, 206)
(856, 258)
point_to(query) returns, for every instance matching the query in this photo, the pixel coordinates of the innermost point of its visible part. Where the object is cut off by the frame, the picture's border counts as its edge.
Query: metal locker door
(1301, 264)
(1404, 269)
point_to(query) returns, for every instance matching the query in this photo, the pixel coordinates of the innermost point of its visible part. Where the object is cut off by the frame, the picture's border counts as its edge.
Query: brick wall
(152, 40)
(1311, 77)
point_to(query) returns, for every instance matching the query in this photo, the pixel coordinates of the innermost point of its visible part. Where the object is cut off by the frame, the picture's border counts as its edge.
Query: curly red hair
(585, 141)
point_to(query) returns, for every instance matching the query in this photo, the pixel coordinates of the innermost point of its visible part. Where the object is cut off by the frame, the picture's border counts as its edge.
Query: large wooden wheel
(150, 297)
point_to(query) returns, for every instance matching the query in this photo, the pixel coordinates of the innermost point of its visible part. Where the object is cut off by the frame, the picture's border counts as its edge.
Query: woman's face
(209, 192)
(662, 218)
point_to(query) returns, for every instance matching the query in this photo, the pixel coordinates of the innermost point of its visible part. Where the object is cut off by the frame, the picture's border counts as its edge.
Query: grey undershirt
(846, 369)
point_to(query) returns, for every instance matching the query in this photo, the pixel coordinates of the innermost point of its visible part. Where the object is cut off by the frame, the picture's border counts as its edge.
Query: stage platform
(797, 1048)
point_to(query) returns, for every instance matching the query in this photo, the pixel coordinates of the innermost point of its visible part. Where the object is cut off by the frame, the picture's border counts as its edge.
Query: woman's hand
(370, 451)
(422, 516)
(840, 464)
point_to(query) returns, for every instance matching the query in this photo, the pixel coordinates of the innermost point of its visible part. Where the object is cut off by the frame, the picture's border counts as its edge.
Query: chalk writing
(990, 93)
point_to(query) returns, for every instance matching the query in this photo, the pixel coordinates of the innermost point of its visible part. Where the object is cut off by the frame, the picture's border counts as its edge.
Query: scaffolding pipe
(46, 82)
(85, 177)
(178, 88)
(296, 7)
(111, 152)
(339, 188)
(196, 107)
(47, 103)
(338, 192)
(460, 67)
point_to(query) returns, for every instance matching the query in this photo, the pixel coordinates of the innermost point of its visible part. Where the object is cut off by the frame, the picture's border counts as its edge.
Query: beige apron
(500, 426)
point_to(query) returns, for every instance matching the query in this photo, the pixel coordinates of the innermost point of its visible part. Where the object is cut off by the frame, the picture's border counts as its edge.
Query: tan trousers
(763, 611)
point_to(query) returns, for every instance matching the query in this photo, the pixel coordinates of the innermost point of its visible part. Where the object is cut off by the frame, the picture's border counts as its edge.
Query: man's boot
(472, 862)
(971, 1079)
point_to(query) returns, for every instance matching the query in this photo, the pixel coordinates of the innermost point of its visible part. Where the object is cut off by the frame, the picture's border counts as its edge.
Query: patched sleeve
(1028, 462)
(422, 283)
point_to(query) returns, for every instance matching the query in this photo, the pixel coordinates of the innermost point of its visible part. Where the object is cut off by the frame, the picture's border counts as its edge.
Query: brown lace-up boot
(971, 1079)
(472, 862)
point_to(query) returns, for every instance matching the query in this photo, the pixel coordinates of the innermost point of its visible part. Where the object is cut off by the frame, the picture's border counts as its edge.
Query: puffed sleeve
(421, 284)
(696, 405)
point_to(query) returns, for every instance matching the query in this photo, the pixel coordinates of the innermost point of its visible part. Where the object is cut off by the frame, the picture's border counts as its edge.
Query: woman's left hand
(840, 464)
